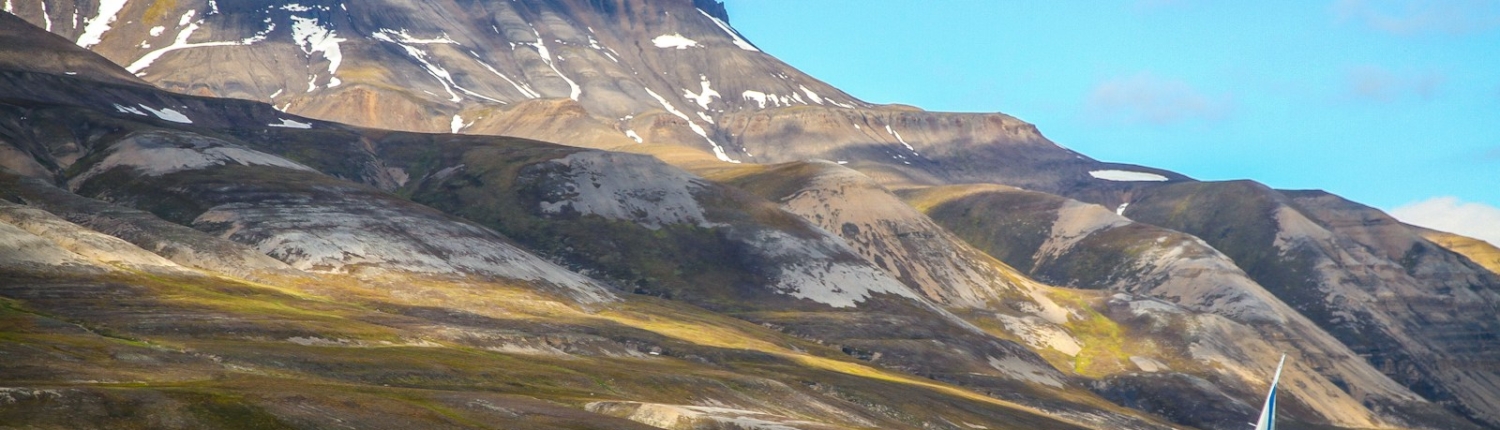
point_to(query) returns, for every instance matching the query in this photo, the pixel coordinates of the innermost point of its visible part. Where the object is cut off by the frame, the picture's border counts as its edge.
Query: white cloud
(1472, 219)
(1378, 84)
(1147, 98)
(1411, 17)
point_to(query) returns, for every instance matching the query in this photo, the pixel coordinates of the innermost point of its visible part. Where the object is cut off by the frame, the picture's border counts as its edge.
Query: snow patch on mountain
(441, 74)
(129, 109)
(574, 91)
(738, 41)
(165, 113)
(404, 36)
(1126, 176)
(46, 19)
(520, 87)
(718, 150)
(811, 95)
(756, 96)
(93, 31)
(289, 123)
(458, 124)
(312, 37)
(169, 114)
(181, 42)
(261, 35)
(893, 132)
(673, 41)
(705, 94)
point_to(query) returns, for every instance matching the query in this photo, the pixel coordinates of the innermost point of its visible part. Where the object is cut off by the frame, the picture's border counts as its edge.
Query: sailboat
(1267, 419)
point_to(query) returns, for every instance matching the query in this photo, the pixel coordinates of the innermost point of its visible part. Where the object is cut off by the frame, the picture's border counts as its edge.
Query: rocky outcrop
(1417, 317)
(1088, 246)
(886, 232)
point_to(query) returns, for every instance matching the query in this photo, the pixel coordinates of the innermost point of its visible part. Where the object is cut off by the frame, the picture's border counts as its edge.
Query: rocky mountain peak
(713, 8)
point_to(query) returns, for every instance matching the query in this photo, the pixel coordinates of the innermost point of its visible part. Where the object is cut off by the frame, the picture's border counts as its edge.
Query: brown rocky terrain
(761, 250)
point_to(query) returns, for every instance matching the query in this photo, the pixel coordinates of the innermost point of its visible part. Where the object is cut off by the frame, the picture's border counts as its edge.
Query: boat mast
(1267, 419)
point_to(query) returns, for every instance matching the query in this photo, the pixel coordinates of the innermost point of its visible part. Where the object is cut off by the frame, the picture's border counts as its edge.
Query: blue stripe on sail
(1271, 424)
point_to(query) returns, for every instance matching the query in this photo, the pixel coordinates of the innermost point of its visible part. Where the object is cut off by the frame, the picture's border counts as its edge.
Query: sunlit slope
(1416, 310)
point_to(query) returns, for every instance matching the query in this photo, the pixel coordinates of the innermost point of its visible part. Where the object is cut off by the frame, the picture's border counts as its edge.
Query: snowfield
(673, 41)
(1126, 176)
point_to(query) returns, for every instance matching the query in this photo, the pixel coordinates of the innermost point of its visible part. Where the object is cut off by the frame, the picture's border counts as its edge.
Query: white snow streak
(673, 40)
(262, 35)
(632, 134)
(94, 30)
(524, 89)
(169, 115)
(46, 18)
(442, 75)
(157, 30)
(718, 151)
(811, 95)
(288, 123)
(179, 43)
(738, 41)
(575, 91)
(404, 37)
(129, 109)
(893, 132)
(1126, 176)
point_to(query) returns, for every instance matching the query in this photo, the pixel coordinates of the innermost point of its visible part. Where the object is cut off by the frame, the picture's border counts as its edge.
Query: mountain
(193, 226)
(282, 265)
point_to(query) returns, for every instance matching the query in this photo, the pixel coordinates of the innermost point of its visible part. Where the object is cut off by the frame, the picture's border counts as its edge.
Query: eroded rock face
(1333, 261)
(617, 186)
(886, 232)
(1236, 323)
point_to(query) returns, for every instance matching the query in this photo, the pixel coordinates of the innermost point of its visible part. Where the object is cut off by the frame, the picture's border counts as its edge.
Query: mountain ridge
(552, 203)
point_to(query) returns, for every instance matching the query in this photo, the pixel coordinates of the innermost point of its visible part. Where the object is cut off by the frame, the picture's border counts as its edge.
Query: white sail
(1267, 419)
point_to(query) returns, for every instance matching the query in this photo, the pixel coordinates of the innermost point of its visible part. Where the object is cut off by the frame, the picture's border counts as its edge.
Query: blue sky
(1392, 103)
